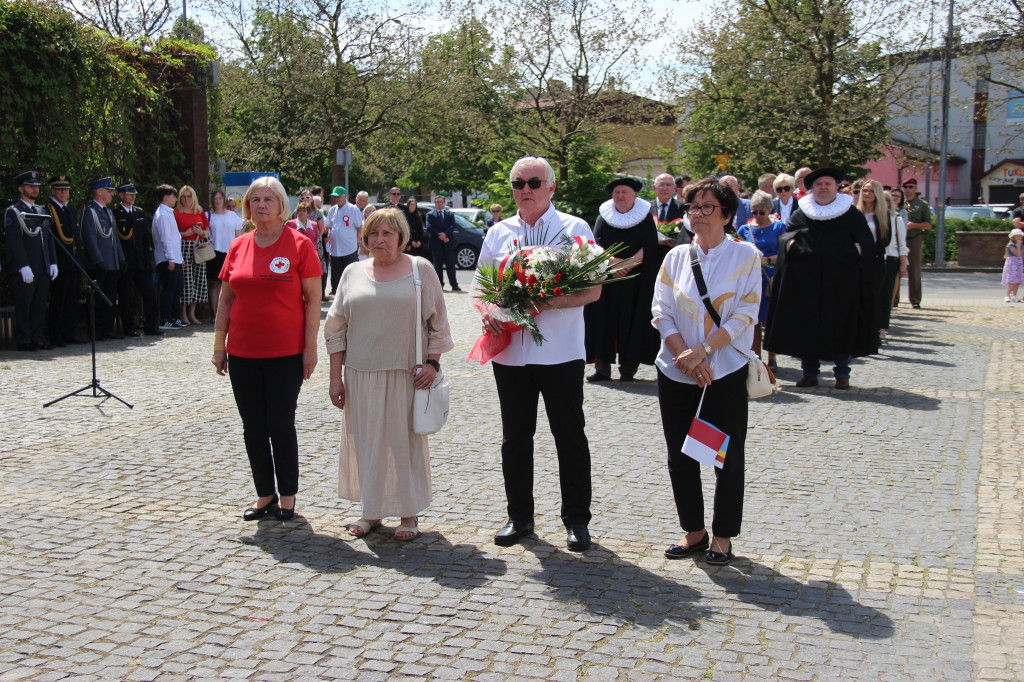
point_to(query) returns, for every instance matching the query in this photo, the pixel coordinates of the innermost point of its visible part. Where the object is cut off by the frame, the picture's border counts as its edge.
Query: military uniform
(66, 290)
(102, 257)
(136, 238)
(33, 265)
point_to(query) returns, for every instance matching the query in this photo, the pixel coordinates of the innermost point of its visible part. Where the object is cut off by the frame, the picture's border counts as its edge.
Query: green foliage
(75, 102)
(954, 225)
(786, 84)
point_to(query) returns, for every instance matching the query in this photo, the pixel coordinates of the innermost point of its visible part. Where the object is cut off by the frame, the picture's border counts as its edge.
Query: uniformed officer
(137, 244)
(66, 290)
(102, 255)
(33, 263)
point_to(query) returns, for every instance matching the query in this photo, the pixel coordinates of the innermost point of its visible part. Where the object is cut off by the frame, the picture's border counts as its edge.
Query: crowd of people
(808, 266)
(162, 271)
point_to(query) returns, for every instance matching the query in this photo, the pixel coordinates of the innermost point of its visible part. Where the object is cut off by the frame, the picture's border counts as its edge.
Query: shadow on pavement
(430, 555)
(615, 588)
(756, 584)
(885, 357)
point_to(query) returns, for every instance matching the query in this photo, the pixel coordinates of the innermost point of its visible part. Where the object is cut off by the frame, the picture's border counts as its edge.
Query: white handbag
(429, 405)
(760, 380)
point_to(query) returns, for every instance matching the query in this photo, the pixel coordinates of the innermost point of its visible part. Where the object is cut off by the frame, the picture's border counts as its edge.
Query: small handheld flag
(704, 442)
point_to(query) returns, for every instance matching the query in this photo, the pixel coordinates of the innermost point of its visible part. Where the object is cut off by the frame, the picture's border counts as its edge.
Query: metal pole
(940, 230)
(346, 176)
(928, 125)
(184, 19)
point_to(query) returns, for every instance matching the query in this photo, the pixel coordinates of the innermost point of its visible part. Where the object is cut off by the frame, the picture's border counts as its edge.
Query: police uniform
(66, 290)
(33, 265)
(102, 256)
(136, 238)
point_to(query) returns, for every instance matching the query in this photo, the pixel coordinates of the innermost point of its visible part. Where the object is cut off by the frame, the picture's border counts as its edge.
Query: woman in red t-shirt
(194, 228)
(268, 317)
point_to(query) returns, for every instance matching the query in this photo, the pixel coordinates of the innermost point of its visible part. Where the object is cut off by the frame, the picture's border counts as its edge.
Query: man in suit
(33, 261)
(440, 227)
(743, 212)
(102, 255)
(136, 235)
(666, 208)
(67, 288)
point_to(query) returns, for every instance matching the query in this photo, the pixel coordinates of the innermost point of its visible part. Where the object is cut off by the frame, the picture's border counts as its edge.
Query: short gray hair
(275, 187)
(761, 199)
(549, 172)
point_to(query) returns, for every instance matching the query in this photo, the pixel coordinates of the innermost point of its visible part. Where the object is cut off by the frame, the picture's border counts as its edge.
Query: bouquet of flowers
(517, 286)
(670, 228)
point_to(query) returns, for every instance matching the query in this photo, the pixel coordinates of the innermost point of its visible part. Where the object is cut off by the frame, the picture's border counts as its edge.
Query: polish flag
(706, 444)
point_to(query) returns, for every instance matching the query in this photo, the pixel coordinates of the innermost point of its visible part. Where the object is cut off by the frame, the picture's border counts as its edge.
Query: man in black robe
(136, 235)
(822, 305)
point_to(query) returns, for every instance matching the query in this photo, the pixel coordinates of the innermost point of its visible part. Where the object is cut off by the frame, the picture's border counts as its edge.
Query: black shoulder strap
(702, 287)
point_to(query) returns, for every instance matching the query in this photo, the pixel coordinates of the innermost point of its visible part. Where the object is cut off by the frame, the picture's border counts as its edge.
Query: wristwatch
(706, 347)
(433, 363)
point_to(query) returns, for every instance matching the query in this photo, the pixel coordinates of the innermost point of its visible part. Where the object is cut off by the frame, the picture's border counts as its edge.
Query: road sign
(723, 161)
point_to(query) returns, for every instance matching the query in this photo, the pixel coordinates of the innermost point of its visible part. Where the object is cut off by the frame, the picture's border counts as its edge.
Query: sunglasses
(534, 183)
(306, 198)
(909, 186)
(784, 188)
(760, 212)
(396, 194)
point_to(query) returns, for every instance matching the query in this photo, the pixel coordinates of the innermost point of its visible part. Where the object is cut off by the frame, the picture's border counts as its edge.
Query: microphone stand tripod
(92, 288)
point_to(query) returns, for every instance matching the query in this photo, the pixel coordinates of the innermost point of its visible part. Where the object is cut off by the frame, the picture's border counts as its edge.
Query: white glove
(53, 272)
(26, 275)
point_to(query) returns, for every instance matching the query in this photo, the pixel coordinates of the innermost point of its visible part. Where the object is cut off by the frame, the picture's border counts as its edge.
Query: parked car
(1000, 211)
(477, 216)
(468, 239)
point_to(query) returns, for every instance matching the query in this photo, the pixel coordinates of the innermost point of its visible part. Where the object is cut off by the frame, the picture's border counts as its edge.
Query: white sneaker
(1007, 300)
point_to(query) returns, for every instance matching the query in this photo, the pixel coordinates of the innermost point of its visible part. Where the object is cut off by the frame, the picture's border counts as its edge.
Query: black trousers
(519, 392)
(65, 292)
(338, 265)
(443, 255)
(725, 407)
(107, 279)
(30, 308)
(172, 284)
(266, 392)
(142, 282)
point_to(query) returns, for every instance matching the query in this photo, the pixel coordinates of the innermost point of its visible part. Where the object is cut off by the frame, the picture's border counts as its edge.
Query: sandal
(412, 532)
(362, 527)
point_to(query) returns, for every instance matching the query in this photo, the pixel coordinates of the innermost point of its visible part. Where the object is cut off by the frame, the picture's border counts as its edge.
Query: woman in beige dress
(374, 371)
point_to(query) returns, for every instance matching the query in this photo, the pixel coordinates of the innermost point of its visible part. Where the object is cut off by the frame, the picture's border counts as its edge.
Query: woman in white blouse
(696, 352)
(225, 225)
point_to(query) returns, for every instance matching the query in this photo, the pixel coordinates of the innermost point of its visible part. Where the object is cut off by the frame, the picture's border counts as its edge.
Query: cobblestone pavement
(882, 534)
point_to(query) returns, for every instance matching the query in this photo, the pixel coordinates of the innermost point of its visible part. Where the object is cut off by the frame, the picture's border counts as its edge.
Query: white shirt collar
(815, 211)
(641, 209)
(127, 208)
(57, 202)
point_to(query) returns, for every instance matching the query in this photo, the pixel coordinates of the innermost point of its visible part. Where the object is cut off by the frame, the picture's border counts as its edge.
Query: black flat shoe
(598, 376)
(720, 558)
(683, 551)
(283, 514)
(511, 532)
(256, 513)
(577, 538)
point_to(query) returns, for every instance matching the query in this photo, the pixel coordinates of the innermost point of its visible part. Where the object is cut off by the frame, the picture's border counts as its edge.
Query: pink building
(899, 162)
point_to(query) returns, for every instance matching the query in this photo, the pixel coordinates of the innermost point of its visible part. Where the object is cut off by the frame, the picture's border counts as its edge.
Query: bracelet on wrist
(433, 363)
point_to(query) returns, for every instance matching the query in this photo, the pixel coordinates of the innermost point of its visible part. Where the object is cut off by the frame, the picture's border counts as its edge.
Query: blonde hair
(881, 210)
(393, 217)
(196, 208)
(275, 186)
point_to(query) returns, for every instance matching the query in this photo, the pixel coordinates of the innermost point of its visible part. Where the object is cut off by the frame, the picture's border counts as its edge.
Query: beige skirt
(383, 463)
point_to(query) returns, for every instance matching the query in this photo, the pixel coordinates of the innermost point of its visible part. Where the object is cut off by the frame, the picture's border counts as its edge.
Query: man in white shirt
(343, 224)
(526, 370)
(167, 254)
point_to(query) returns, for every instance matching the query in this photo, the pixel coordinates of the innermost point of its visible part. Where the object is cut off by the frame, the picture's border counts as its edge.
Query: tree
(194, 34)
(784, 83)
(306, 77)
(566, 54)
(126, 19)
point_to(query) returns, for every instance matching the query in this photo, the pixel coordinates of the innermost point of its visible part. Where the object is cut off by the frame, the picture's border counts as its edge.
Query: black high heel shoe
(256, 513)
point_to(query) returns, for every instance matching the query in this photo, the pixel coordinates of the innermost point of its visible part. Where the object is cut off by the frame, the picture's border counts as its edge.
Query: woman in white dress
(375, 368)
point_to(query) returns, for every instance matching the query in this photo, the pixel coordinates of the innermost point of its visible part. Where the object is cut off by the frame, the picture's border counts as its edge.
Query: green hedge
(954, 225)
(75, 102)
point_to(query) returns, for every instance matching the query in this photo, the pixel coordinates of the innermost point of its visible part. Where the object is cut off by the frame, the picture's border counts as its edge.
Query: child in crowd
(1013, 268)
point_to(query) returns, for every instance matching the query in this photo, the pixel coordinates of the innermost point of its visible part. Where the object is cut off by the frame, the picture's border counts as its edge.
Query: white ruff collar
(641, 209)
(814, 211)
